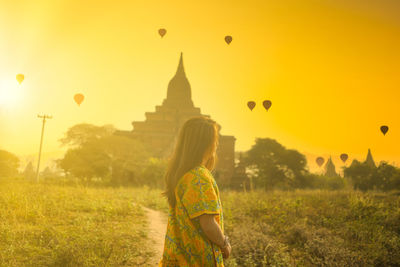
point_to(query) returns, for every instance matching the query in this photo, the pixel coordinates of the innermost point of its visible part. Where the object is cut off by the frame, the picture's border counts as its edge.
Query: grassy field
(50, 225)
(55, 225)
(308, 228)
(313, 228)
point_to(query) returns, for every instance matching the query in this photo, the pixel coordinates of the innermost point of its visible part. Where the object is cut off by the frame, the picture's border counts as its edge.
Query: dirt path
(158, 225)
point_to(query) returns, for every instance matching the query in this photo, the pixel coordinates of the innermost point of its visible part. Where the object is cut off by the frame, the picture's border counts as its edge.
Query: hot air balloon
(251, 104)
(344, 157)
(384, 129)
(320, 161)
(162, 32)
(78, 98)
(267, 104)
(20, 78)
(228, 39)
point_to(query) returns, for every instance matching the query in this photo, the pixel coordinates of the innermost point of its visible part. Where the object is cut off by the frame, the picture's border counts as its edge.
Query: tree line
(269, 165)
(97, 154)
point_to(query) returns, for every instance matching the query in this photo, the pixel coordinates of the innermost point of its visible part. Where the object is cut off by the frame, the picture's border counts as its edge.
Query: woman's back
(186, 244)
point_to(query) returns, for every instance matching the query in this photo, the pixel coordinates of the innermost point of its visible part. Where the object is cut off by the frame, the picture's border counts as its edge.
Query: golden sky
(330, 68)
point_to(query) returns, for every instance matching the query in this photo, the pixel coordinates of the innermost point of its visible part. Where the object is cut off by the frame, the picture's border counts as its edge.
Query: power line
(44, 117)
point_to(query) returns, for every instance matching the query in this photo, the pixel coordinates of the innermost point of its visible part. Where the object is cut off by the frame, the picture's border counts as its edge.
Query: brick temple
(161, 127)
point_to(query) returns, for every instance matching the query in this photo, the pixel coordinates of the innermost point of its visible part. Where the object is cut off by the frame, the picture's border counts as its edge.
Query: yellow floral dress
(185, 243)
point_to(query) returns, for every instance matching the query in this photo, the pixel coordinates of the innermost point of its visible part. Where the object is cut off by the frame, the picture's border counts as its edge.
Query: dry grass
(55, 225)
(313, 228)
(50, 225)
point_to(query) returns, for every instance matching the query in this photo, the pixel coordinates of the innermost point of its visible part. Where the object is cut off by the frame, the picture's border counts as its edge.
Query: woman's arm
(213, 231)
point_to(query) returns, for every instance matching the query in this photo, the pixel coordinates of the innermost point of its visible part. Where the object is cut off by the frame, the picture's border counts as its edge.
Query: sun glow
(329, 68)
(10, 93)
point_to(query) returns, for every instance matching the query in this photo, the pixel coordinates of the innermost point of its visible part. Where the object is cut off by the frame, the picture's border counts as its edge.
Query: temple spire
(369, 160)
(181, 69)
(179, 92)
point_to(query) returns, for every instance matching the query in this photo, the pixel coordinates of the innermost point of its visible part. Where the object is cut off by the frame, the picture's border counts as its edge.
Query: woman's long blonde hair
(196, 137)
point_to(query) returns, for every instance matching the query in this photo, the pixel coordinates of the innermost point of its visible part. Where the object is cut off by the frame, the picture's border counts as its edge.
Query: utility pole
(44, 117)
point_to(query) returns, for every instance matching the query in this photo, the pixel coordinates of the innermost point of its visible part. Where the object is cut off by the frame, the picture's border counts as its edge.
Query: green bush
(315, 181)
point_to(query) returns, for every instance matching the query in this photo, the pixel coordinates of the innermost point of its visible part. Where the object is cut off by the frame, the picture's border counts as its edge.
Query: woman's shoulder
(199, 171)
(199, 175)
(202, 171)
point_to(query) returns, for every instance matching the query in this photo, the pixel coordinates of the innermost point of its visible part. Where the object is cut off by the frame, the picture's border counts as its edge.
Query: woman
(195, 231)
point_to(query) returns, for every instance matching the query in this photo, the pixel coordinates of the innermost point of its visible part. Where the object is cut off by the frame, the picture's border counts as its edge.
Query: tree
(86, 162)
(274, 166)
(387, 177)
(153, 172)
(29, 172)
(117, 158)
(365, 176)
(128, 157)
(50, 173)
(80, 134)
(99, 152)
(9, 164)
(360, 173)
(316, 181)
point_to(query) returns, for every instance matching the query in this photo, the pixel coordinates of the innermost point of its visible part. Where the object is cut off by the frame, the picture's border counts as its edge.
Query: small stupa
(369, 160)
(330, 169)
